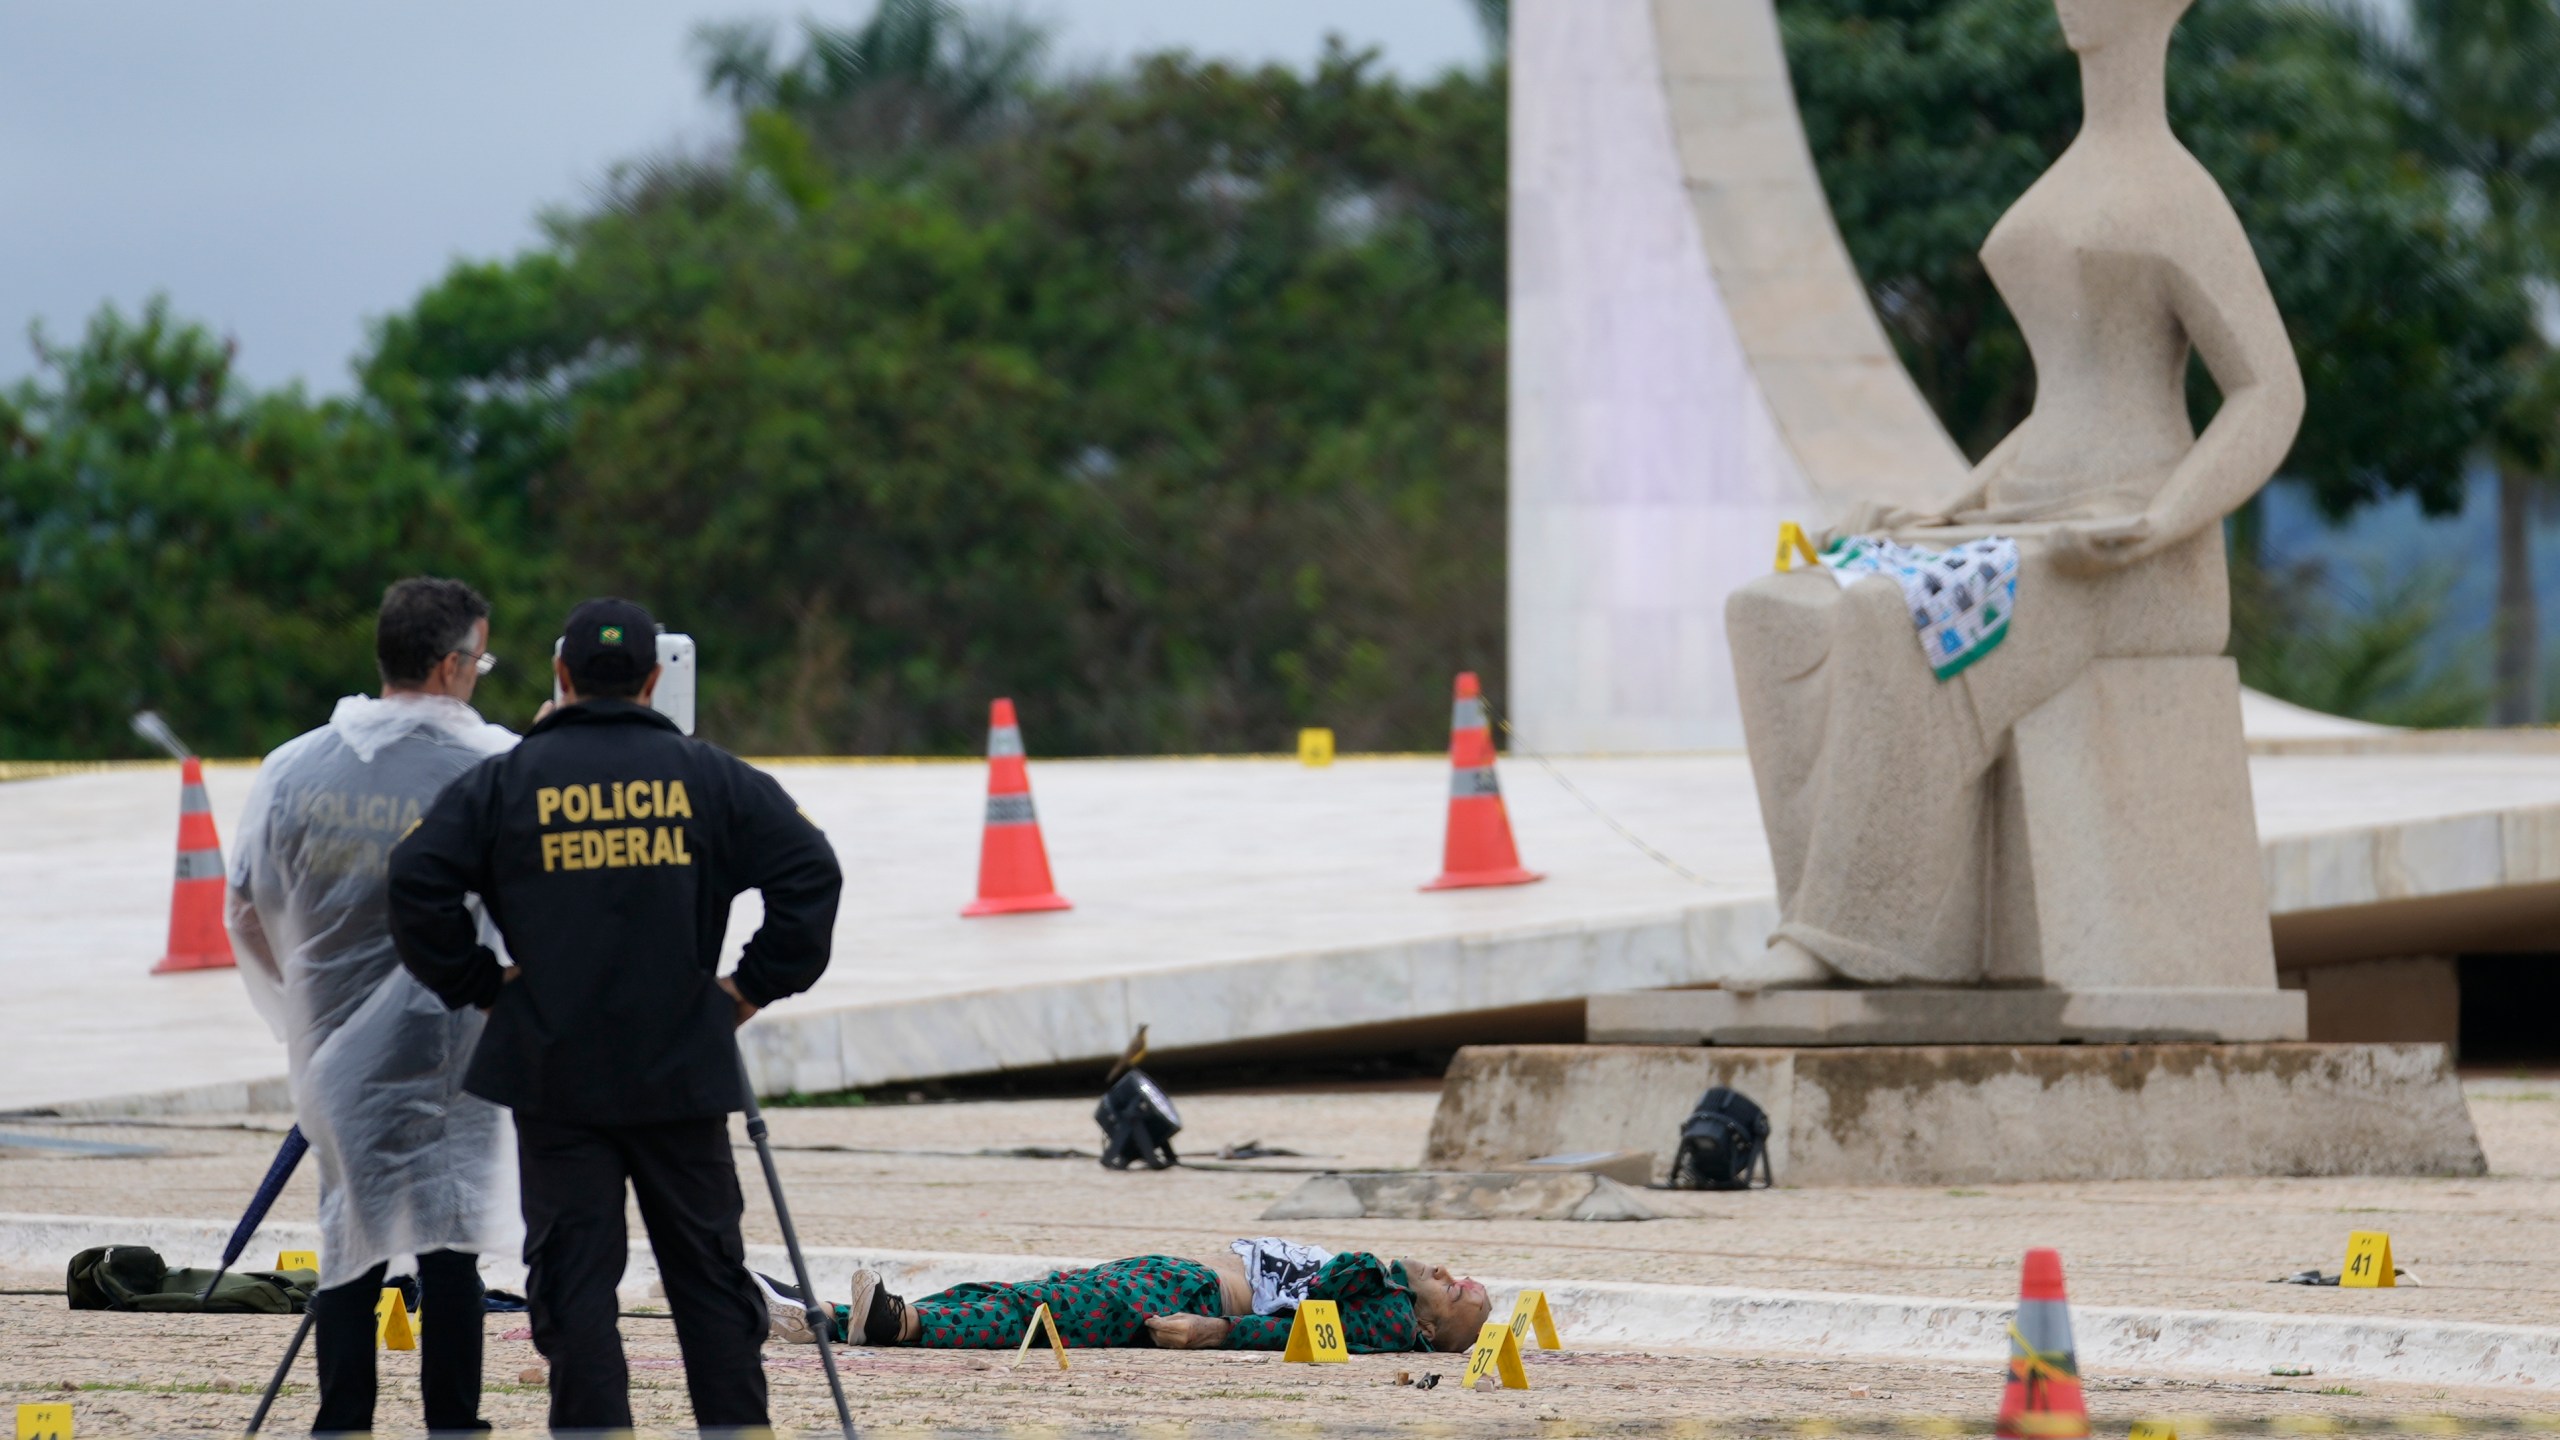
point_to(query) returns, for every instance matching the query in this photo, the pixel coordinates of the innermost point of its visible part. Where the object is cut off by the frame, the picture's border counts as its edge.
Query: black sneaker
(787, 1311)
(884, 1316)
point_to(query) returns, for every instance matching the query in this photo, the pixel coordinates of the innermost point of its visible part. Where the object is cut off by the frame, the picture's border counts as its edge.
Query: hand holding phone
(675, 691)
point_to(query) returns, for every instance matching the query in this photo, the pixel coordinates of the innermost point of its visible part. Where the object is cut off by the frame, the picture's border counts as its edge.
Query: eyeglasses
(481, 663)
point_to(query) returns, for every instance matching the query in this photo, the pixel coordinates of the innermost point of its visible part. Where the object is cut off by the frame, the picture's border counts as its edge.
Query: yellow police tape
(48, 769)
(1918, 1427)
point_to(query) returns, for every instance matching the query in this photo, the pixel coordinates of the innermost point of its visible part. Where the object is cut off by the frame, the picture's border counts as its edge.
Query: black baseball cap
(609, 642)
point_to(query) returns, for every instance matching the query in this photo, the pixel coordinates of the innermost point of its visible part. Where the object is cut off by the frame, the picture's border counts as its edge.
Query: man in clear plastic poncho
(409, 1164)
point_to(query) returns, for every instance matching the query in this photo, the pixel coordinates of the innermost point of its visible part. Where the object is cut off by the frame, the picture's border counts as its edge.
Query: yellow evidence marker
(44, 1422)
(2154, 1430)
(298, 1260)
(2368, 1262)
(1530, 1312)
(1315, 1336)
(1497, 1352)
(391, 1322)
(1041, 1319)
(1792, 543)
(1315, 748)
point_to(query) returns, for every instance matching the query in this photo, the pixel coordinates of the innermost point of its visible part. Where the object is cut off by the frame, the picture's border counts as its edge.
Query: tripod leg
(293, 1352)
(820, 1322)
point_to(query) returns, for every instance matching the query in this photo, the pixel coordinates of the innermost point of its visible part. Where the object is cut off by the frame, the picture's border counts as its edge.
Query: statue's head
(2090, 25)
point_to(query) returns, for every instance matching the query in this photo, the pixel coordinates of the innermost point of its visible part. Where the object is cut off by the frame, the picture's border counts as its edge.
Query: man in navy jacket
(607, 848)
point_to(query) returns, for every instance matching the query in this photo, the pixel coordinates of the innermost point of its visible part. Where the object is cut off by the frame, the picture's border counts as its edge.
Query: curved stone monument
(2071, 811)
(1693, 361)
(2020, 897)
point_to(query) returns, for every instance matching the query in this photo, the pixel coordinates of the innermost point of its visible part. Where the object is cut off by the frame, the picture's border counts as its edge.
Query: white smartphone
(676, 676)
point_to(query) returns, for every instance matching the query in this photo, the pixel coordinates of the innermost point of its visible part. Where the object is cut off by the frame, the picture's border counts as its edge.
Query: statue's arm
(1874, 517)
(1978, 481)
(2221, 299)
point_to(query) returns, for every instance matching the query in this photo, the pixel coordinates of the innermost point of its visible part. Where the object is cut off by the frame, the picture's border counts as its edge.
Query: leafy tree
(2369, 649)
(1171, 403)
(917, 72)
(2478, 83)
(1168, 400)
(1929, 117)
(168, 540)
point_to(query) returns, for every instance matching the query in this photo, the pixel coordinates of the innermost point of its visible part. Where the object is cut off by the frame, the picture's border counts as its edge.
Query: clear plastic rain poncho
(408, 1162)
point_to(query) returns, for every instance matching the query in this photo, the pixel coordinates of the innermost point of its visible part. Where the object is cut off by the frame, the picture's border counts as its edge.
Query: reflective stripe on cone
(1478, 850)
(1013, 864)
(197, 940)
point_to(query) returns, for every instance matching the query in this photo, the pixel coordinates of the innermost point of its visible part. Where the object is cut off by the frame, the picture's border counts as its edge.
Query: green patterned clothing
(1108, 1305)
(1375, 1300)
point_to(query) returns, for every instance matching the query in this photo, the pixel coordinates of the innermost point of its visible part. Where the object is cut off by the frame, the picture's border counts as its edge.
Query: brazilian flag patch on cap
(610, 634)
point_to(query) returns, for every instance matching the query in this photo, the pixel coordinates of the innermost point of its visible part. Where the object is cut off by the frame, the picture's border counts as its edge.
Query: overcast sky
(286, 170)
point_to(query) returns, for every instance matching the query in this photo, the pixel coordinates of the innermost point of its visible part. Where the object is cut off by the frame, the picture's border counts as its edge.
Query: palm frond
(913, 70)
(736, 57)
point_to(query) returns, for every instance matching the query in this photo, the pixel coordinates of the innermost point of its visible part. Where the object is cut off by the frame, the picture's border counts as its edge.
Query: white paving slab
(1217, 900)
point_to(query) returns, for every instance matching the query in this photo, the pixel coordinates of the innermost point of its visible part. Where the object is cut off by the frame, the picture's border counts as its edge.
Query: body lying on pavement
(1243, 1299)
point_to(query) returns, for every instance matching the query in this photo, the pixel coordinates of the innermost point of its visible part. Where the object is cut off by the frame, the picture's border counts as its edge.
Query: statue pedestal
(1973, 1016)
(1977, 1114)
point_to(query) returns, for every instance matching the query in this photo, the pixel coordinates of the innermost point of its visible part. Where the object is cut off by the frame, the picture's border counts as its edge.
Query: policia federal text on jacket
(607, 849)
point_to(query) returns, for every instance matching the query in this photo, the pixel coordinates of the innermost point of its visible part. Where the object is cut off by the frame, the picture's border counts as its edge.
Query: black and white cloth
(1280, 1271)
(1960, 597)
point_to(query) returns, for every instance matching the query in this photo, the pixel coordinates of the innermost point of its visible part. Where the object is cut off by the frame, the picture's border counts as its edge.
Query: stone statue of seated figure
(2061, 813)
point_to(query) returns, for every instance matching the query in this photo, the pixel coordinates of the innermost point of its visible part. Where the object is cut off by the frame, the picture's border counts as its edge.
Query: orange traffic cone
(1013, 866)
(1479, 849)
(2042, 1401)
(196, 937)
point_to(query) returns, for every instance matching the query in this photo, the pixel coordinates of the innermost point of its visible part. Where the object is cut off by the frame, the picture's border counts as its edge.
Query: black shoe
(884, 1316)
(786, 1311)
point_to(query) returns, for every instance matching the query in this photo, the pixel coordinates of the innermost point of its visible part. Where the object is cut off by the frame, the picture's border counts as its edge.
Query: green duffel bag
(134, 1277)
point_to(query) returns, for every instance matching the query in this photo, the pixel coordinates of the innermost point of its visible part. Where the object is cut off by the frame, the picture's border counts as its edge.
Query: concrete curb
(2405, 1351)
(269, 1095)
(1632, 1316)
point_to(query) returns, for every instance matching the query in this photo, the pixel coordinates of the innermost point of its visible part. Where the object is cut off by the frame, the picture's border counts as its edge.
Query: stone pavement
(909, 1178)
(144, 1375)
(903, 1177)
(1221, 901)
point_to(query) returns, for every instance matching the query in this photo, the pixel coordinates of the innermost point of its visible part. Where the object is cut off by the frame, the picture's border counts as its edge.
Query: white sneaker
(787, 1311)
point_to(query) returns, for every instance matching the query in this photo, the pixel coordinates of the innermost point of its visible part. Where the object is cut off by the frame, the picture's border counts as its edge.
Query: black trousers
(449, 1317)
(576, 1244)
